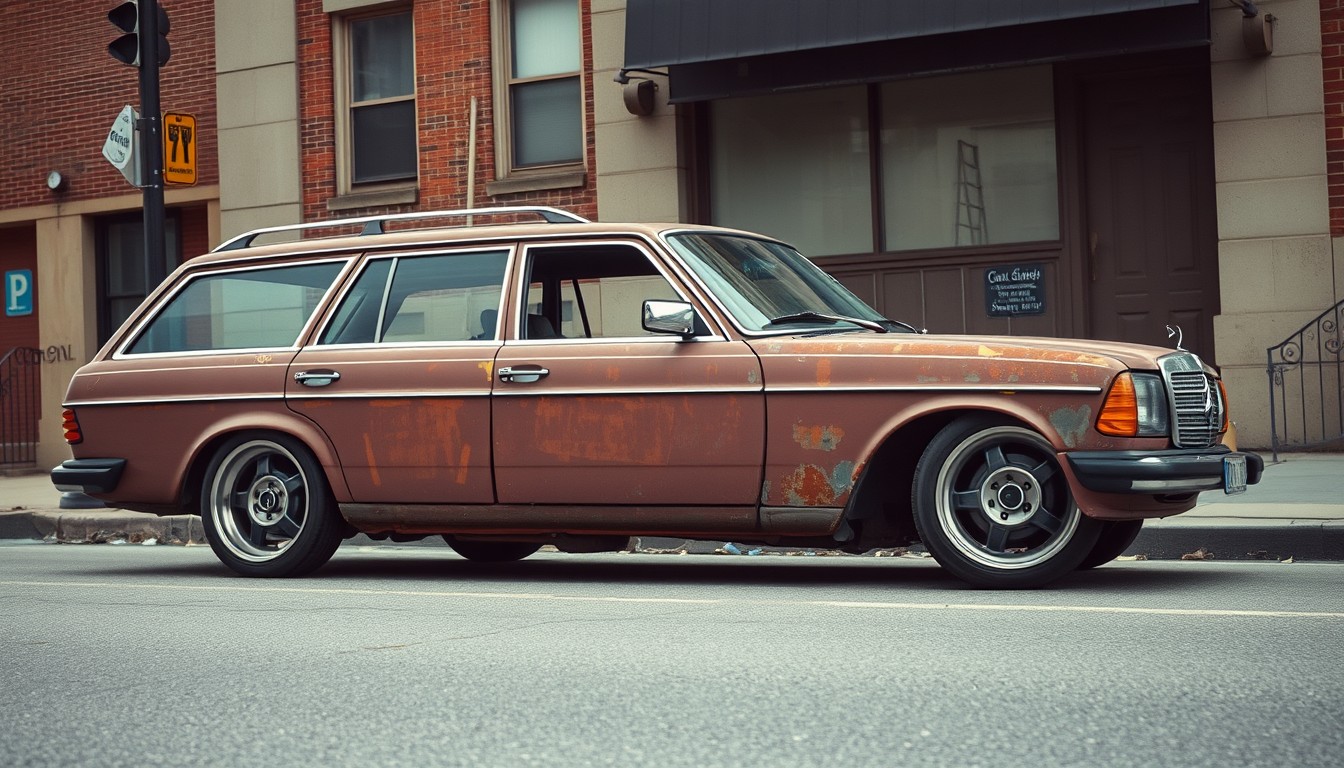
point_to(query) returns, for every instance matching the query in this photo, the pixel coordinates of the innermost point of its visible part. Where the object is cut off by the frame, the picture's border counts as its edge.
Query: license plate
(1234, 474)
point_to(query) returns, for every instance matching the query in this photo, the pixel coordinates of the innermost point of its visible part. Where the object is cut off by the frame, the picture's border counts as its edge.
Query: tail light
(70, 424)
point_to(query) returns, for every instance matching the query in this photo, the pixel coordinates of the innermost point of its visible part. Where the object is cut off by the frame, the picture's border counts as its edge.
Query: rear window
(242, 309)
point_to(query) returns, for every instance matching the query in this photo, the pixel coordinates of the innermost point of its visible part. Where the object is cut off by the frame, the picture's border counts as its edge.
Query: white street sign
(122, 148)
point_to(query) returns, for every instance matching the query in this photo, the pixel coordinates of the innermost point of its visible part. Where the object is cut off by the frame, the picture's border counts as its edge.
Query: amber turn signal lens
(1227, 412)
(1120, 413)
(71, 426)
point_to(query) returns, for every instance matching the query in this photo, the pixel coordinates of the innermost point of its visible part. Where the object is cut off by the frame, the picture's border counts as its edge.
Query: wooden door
(1150, 243)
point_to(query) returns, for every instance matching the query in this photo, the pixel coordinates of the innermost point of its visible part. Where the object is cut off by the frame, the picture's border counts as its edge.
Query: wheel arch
(879, 509)
(306, 433)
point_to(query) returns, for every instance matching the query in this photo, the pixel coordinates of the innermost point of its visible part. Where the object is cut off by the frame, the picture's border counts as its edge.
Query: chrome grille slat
(1196, 404)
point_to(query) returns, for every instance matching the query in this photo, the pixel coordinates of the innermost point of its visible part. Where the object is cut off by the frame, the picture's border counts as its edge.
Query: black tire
(492, 551)
(266, 507)
(1115, 538)
(993, 507)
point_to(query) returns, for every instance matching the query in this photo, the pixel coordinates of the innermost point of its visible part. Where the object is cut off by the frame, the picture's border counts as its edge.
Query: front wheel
(266, 509)
(993, 507)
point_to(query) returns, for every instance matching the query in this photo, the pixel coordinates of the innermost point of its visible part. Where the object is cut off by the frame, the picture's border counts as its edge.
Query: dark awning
(699, 37)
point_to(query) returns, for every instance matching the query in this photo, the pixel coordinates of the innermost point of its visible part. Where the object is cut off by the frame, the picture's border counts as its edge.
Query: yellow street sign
(179, 148)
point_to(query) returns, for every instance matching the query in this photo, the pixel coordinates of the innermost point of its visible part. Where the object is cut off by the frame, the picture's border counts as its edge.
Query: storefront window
(796, 167)
(969, 160)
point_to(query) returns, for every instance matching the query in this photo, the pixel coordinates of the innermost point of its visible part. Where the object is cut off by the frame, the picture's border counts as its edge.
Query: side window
(246, 309)
(591, 292)
(434, 298)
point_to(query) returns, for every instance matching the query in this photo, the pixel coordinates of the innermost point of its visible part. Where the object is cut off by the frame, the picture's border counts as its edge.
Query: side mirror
(661, 316)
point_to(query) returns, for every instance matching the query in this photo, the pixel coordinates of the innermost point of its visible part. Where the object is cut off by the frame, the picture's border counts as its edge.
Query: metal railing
(20, 404)
(1306, 385)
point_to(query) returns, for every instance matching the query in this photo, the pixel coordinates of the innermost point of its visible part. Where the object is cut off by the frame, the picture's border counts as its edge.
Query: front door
(1150, 245)
(590, 409)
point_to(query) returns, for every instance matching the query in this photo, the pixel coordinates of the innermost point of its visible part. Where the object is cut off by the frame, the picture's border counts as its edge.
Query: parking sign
(18, 292)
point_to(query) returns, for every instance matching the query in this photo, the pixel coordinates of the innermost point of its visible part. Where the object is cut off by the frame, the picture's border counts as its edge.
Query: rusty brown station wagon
(521, 383)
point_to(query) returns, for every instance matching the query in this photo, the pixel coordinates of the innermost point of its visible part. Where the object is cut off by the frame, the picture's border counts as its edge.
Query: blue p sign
(18, 293)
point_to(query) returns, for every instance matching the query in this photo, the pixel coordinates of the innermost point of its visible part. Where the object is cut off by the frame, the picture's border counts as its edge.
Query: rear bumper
(1159, 473)
(88, 475)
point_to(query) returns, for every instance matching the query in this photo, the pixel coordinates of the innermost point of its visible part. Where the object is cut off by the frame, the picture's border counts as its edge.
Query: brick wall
(1332, 62)
(452, 63)
(62, 91)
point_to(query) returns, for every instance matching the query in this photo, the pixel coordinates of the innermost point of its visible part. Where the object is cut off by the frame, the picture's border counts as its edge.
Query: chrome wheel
(992, 505)
(266, 510)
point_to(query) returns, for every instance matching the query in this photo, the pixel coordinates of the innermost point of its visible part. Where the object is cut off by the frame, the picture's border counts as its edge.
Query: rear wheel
(1115, 538)
(993, 507)
(492, 551)
(266, 508)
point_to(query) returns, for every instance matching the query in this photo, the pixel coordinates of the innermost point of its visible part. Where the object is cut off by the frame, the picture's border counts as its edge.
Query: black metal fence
(20, 404)
(1306, 388)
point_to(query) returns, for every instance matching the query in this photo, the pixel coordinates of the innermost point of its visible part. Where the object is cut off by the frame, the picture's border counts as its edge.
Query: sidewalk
(1297, 511)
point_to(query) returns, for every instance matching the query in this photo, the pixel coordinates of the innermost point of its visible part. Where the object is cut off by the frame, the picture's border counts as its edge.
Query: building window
(375, 86)
(121, 266)
(960, 161)
(796, 167)
(970, 160)
(538, 86)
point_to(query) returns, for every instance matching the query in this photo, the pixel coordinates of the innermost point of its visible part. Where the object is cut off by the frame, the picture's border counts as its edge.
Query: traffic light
(127, 48)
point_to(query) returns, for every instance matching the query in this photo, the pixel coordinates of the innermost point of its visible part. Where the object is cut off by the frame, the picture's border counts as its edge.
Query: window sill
(516, 184)
(374, 198)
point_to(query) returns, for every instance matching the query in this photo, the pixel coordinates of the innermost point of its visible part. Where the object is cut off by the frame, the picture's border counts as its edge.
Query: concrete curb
(1239, 539)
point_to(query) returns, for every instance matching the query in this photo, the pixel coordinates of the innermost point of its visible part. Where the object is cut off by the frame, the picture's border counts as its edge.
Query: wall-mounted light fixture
(638, 92)
(1257, 30)
(56, 181)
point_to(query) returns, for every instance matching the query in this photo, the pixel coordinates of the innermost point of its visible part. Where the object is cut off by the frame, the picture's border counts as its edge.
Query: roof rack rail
(373, 225)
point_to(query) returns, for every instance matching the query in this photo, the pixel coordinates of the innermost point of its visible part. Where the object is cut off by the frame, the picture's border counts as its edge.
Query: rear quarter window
(239, 309)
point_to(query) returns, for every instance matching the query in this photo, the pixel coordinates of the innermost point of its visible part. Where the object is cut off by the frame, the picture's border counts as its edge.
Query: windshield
(767, 286)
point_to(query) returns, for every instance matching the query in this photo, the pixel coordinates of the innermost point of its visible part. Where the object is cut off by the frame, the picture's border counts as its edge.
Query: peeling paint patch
(817, 438)
(463, 459)
(928, 379)
(613, 374)
(373, 464)
(753, 377)
(972, 378)
(765, 492)
(824, 372)
(988, 352)
(489, 367)
(1072, 423)
(812, 486)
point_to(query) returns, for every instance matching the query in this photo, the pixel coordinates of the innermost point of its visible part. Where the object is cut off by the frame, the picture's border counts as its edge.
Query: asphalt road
(133, 655)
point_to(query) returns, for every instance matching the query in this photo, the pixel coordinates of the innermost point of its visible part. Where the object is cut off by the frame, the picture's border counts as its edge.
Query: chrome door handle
(522, 374)
(316, 378)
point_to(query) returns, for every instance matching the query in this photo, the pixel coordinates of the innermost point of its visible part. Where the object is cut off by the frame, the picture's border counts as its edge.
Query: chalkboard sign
(1018, 289)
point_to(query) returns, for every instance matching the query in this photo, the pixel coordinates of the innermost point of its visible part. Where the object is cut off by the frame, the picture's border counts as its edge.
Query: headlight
(1136, 406)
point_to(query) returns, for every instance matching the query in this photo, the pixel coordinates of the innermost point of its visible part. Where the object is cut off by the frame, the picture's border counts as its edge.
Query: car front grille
(1196, 403)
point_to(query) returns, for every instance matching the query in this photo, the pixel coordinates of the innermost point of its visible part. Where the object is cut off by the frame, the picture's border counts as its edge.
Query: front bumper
(88, 475)
(1159, 473)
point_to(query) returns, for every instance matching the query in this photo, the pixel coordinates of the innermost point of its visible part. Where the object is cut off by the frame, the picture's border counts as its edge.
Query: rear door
(400, 376)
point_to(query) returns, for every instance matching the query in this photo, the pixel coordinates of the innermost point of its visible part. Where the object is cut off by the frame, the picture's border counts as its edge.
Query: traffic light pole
(151, 144)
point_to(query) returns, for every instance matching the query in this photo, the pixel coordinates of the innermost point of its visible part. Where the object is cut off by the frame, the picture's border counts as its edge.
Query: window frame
(527, 259)
(510, 177)
(172, 255)
(350, 193)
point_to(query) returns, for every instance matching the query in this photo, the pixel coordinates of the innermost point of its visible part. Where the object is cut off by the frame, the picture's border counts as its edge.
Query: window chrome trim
(549, 390)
